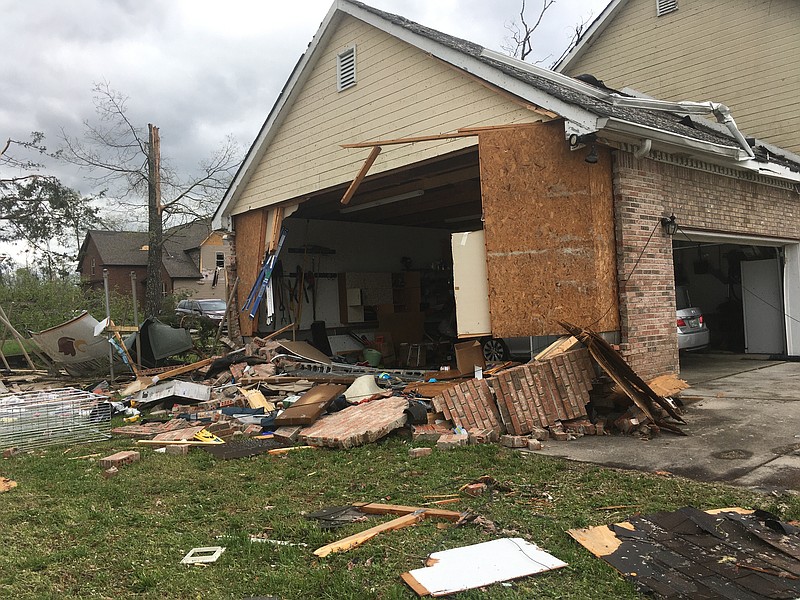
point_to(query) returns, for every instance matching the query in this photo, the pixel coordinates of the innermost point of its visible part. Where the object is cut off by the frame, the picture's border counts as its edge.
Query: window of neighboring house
(346, 68)
(666, 6)
(220, 260)
(91, 267)
(164, 289)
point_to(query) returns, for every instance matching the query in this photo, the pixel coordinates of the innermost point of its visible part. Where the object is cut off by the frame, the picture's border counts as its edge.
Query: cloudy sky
(200, 70)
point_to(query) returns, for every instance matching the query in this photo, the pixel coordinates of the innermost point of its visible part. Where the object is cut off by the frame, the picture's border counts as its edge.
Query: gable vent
(666, 6)
(346, 69)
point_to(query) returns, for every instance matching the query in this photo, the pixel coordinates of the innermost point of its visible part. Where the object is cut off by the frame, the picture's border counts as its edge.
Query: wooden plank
(377, 508)
(250, 245)
(277, 223)
(362, 173)
(549, 229)
(561, 345)
(358, 539)
(411, 140)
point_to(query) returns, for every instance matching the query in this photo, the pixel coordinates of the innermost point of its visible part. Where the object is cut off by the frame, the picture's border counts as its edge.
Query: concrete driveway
(743, 426)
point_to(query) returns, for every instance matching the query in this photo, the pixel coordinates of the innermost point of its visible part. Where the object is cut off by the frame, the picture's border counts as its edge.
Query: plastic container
(373, 357)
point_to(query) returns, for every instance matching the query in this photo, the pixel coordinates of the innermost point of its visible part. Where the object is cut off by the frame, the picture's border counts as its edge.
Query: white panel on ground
(791, 298)
(762, 299)
(475, 566)
(471, 284)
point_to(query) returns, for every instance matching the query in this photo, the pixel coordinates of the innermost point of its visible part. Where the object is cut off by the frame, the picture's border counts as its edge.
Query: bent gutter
(721, 112)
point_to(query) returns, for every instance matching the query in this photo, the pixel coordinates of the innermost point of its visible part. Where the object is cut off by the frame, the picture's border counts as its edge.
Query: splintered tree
(127, 160)
(39, 211)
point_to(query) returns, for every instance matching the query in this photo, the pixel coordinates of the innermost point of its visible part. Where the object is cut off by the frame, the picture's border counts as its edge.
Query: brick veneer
(644, 191)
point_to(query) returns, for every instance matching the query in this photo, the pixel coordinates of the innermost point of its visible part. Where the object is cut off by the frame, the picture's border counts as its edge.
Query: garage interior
(738, 285)
(527, 223)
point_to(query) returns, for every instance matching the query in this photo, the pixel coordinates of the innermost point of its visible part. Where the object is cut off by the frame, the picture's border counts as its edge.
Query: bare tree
(577, 32)
(122, 156)
(520, 44)
(38, 210)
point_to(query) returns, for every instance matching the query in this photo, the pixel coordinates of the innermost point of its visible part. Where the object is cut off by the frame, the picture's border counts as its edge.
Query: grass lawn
(69, 533)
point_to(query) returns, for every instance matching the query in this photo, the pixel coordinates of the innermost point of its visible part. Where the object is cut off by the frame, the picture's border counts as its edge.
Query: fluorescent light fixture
(382, 202)
(462, 219)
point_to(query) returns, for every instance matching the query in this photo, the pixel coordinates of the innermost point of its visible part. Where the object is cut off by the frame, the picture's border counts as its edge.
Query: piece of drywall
(549, 225)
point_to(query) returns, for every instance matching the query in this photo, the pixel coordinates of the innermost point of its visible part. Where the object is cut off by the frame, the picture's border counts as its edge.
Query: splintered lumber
(357, 539)
(142, 383)
(376, 508)
(563, 344)
(624, 376)
(348, 195)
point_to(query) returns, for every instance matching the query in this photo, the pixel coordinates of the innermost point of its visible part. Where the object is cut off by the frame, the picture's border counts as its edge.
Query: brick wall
(646, 190)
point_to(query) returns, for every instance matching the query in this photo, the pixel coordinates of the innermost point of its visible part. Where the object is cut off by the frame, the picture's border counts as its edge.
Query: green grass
(69, 533)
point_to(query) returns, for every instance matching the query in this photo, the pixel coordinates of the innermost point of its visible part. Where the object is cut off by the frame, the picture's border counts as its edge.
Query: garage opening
(736, 289)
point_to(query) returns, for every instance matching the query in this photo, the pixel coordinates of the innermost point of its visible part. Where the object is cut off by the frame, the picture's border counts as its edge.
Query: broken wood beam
(411, 140)
(376, 508)
(358, 539)
(351, 191)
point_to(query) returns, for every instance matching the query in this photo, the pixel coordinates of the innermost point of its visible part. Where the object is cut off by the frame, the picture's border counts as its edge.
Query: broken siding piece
(478, 565)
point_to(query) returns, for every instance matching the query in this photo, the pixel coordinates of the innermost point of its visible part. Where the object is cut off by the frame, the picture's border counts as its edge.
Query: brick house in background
(547, 193)
(193, 261)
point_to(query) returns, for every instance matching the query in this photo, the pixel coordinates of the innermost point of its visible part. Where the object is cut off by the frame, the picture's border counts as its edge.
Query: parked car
(211, 309)
(693, 333)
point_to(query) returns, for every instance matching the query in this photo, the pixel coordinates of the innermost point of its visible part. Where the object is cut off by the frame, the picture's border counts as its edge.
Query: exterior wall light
(670, 225)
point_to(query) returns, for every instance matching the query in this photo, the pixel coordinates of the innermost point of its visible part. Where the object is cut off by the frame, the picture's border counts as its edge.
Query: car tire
(494, 349)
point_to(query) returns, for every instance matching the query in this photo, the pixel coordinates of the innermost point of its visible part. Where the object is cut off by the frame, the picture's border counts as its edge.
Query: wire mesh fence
(56, 416)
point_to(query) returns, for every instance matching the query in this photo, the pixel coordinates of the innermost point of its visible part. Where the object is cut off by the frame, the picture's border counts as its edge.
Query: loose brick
(534, 445)
(178, 449)
(540, 434)
(119, 459)
(513, 441)
(452, 440)
(287, 433)
(419, 452)
(110, 472)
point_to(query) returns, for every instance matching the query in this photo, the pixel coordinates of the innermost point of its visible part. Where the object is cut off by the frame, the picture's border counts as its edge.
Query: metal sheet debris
(56, 416)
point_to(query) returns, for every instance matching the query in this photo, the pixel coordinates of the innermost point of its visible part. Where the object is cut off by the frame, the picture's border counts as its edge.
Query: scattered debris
(119, 459)
(408, 515)
(475, 566)
(7, 484)
(204, 555)
(730, 553)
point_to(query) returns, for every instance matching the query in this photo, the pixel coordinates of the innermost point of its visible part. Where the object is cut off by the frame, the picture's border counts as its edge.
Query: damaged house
(429, 187)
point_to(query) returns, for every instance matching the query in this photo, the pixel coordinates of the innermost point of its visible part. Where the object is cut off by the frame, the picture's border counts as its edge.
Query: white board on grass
(482, 564)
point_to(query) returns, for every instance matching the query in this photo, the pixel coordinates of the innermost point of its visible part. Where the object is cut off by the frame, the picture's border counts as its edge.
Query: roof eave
(221, 221)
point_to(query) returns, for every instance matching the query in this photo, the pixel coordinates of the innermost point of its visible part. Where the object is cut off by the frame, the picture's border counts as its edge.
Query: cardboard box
(468, 356)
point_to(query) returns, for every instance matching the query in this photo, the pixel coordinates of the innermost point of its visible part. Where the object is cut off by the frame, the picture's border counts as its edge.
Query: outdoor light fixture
(669, 224)
(591, 158)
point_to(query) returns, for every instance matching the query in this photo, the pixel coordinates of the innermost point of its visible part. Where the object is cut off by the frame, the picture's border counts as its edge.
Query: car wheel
(494, 349)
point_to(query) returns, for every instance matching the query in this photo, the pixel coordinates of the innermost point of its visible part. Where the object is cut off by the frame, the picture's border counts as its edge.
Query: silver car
(693, 333)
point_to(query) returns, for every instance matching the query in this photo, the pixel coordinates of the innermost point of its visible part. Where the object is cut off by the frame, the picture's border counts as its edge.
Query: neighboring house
(742, 53)
(545, 195)
(193, 261)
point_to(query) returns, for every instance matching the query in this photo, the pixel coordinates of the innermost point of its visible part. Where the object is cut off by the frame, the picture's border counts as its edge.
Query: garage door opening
(736, 287)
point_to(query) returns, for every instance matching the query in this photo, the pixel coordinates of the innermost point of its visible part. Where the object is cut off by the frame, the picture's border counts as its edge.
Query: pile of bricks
(357, 425)
(470, 405)
(544, 393)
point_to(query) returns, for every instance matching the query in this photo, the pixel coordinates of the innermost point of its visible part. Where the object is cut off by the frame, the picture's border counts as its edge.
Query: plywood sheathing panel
(250, 245)
(470, 405)
(541, 393)
(549, 232)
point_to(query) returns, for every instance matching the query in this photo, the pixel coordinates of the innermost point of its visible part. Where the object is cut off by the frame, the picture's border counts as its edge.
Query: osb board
(250, 244)
(549, 228)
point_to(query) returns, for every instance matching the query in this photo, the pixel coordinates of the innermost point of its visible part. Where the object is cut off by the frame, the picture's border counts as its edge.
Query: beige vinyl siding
(745, 54)
(400, 92)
